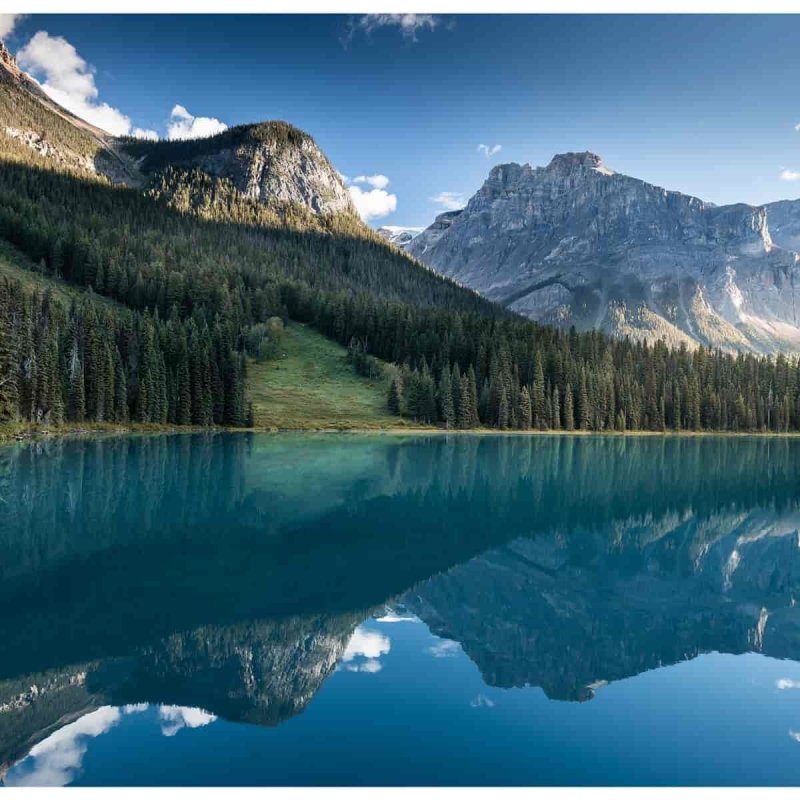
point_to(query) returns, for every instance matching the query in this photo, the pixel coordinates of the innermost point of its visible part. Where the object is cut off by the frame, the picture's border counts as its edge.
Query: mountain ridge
(270, 162)
(575, 243)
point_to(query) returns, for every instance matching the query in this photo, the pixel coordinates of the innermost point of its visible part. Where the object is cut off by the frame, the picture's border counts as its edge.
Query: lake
(329, 609)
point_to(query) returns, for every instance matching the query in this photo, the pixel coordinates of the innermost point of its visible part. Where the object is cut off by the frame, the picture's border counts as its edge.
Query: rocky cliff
(574, 243)
(272, 163)
(784, 223)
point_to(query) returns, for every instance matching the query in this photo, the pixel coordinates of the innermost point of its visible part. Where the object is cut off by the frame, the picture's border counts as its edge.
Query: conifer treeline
(197, 288)
(463, 371)
(92, 361)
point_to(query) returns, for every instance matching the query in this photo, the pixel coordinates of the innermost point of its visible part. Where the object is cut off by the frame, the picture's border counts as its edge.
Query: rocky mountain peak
(568, 162)
(6, 57)
(269, 162)
(574, 243)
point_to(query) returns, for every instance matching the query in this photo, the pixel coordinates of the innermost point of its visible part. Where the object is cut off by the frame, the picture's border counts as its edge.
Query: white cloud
(145, 133)
(175, 718)
(372, 204)
(787, 683)
(371, 665)
(797, 127)
(7, 24)
(489, 150)
(367, 644)
(364, 650)
(56, 760)
(790, 175)
(376, 181)
(444, 648)
(408, 24)
(183, 125)
(69, 80)
(451, 201)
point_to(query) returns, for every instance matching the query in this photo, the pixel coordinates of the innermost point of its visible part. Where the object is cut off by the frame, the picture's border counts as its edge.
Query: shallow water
(342, 609)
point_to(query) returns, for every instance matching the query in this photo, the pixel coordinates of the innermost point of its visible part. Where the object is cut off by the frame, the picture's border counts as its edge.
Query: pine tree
(569, 411)
(526, 412)
(395, 395)
(446, 408)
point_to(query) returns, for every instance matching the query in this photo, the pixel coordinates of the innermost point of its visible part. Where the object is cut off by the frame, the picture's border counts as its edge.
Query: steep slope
(783, 218)
(34, 123)
(272, 163)
(575, 243)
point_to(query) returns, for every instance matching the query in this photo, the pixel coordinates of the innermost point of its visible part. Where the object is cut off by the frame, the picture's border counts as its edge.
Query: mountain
(30, 119)
(574, 243)
(272, 163)
(784, 223)
(202, 244)
(399, 235)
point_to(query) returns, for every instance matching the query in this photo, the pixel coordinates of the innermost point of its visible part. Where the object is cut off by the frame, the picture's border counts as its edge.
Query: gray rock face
(276, 169)
(783, 218)
(575, 243)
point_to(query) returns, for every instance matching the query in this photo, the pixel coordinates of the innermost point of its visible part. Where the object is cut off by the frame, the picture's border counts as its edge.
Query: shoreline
(20, 433)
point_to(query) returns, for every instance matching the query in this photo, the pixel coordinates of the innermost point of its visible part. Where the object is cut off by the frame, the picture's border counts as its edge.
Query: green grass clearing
(312, 386)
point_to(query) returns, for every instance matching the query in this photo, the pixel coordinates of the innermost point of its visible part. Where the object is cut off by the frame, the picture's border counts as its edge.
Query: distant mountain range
(399, 235)
(574, 243)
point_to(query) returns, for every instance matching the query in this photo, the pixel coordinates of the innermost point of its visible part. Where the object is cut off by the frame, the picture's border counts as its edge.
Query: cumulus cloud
(175, 718)
(145, 133)
(366, 643)
(408, 24)
(489, 150)
(376, 181)
(183, 125)
(364, 650)
(450, 201)
(790, 175)
(444, 648)
(56, 760)
(7, 24)
(69, 80)
(374, 202)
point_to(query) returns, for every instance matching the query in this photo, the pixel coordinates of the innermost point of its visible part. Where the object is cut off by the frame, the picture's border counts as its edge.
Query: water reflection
(227, 576)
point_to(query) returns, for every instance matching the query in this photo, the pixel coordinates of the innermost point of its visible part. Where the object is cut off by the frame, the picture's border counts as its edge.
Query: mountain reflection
(229, 573)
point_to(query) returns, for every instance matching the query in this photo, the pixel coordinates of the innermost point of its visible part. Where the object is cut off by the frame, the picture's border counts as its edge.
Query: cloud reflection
(364, 650)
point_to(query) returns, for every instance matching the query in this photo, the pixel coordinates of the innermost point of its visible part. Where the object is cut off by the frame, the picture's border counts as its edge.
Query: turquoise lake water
(382, 610)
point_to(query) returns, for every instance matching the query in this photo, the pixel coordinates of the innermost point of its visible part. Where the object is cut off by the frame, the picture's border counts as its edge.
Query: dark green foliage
(202, 285)
(84, 361)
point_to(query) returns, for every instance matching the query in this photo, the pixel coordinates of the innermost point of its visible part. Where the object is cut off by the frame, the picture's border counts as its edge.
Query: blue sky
(705, 104)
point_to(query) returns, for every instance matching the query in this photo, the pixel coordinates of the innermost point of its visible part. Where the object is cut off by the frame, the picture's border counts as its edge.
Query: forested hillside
(196, 270)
